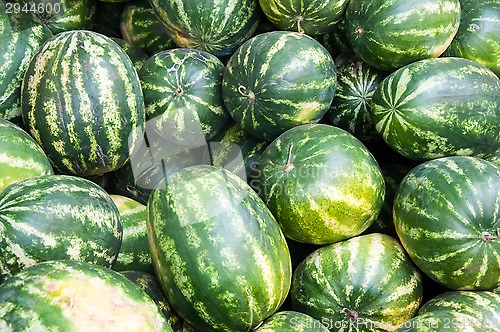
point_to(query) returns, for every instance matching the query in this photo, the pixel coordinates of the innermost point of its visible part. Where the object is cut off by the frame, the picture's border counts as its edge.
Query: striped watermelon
(20, 36)
(149, 284)
(76, 296)
(87, 111)
(56, 217)
(447, 217)
(457, 311)
(291, 321)
(389, 34)
(64, 15)
(136, 54)
(219, 254)
(350, 108)
(439, 107)
(183, 85)
(312, 17)
(20, 156)
(215, 26)
(320, 182)
(134, 250)
(477, 37)
(278, 80)
(366, 283)
(140, 26)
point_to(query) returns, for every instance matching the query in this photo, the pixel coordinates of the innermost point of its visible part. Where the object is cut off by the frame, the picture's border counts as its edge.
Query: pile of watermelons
(245, 165)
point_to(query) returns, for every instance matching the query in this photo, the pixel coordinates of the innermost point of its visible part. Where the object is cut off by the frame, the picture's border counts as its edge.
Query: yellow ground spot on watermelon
(307, 110)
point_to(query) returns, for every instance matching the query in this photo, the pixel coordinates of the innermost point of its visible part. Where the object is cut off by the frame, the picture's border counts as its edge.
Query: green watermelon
(64, 15)
(389, 34)
(218, 253)
(87, 111)
(217, 27)
(134, 250)
(184, 85)
(495, 157)
(136, 54)
(350, 108)
(140, 26)
(149, 284)
(447, 217)
(76, 296)
(312, 17)
(366, 283)
(56, 217)
(320, 182)
(291, 321)
(20, 156)
(457, 311)
(20, 36)
(439, 107)
(278, 80)
(477, 36)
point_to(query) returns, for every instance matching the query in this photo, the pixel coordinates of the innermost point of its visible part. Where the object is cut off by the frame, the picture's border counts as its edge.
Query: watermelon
(217, 27)
(76, 296)
(149, 284)
(320, 182)
(182, 85)
(218, 253)
(64, 15)
(291, 321)
(55, 217)
(495, 157)
(439, 107)
(350, 108)
(20, 156)
(134, 250)
(312, 17)
(457, 311)
(477, 36)
(136, 54)
(389, 34)
(278, 80)
(446, 214)
(20, 36)
(140, 26)
(87, 111)
(366, 283)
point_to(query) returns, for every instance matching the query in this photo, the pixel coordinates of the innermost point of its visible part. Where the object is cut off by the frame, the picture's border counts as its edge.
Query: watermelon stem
(288, 166)
(250, 95)
(299, 19)
(179, 91)
(487, 237)
(351, 314)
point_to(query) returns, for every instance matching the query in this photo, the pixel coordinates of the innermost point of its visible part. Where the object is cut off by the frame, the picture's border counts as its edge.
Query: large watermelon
(219, 254)
(82, 101)
(278, 80)
(73, 296)
(439, 107)
(320, 182)
(215, 26)
(388, 34)
(447, 216)
(56, 217)
(366, 283)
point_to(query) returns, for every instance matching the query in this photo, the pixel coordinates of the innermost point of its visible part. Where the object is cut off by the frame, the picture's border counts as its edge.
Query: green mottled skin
(442, 210)
(350, 108)
(388, 34)
(149, 283)
(134, 250)
(73, 14)
(219, 254)
(320, 183)
(215, 26)
(82, 102)
(312, 17)
(140, 26)
(56, 217)
(39, 299)
(20, 36)
(20, 156)
(494, 157)
(278, 80)
(291, 321)
(136, 54)
(439, 107)
(477, 37)
(367, 281)
(183, 85)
